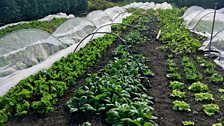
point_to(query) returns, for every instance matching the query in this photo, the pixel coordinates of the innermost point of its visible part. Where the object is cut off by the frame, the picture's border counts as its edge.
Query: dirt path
(159, 83)
(156, 62)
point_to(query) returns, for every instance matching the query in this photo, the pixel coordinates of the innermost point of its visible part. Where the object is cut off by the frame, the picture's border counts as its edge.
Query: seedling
(217, 124)
(217, 78)
(222, 97)
(181, 106)
(175, 85)
(188, 123)
(203, 97)
(178, 94)
(198, 87)
(211, 109)
(221, 90)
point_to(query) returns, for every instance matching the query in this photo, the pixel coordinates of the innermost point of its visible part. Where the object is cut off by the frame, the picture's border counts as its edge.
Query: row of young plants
(117, 92)
(209, 70)
(40, 92)
(201, 94)
(48, 26)
(178, 40)
(191, 72)
(173, 71)
(200, 91)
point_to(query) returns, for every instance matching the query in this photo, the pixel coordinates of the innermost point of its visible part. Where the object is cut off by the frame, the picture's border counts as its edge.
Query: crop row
(116, 92)
(175, 36)
(177, 39)
(48, 26)
(172, 70)
(190, 70)
(209, 70)
(201, 95)
(40, 92)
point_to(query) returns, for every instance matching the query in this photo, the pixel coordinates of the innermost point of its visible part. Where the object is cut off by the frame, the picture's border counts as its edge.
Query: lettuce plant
(188, 123)
(204, 97)
(178, 94)
(176, 85)
(198, 87)
(211, 109)
(181, 106)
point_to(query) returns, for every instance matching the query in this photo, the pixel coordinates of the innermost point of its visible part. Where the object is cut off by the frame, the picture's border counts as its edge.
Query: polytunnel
(191, 13)
(22, 50)
(116, 14)
(200, 21)
(99, 17)
(73, 30)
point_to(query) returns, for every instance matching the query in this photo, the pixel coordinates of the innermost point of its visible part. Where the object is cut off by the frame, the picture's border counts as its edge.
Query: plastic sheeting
(199, 20)
(25, 52)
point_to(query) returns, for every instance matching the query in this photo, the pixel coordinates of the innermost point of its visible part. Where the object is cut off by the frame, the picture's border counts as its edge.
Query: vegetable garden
(135, 81)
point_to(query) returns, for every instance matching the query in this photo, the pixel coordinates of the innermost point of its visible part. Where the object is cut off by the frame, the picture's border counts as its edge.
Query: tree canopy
(17, 10)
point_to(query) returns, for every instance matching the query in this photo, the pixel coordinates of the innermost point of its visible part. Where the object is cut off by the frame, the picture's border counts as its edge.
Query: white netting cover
(73, 30)
(200, 21)
(191, 13)
(148, 5)
(25, 52)
(98, 17)
(116, 14)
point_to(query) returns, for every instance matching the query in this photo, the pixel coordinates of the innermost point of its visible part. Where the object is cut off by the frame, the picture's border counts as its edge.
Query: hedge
(17, 10)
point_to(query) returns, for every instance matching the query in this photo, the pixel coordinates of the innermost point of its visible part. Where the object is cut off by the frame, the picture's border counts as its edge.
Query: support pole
(213, 26)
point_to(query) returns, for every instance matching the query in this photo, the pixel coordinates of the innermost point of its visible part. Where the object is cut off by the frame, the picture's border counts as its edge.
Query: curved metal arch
(91, 22)
(95, 11)
(196, 16)
(202, 18)
(105, 26)
(39, 30)
(127, 47)
(76, 18)
(110, 24)
(118, 16)
(217, 33)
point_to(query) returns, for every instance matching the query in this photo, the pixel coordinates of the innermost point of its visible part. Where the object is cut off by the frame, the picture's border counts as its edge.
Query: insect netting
(200, 21)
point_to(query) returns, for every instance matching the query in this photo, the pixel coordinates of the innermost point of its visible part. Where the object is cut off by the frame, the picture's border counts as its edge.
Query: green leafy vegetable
(181, 106)
(198, 87)
(211, 109)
